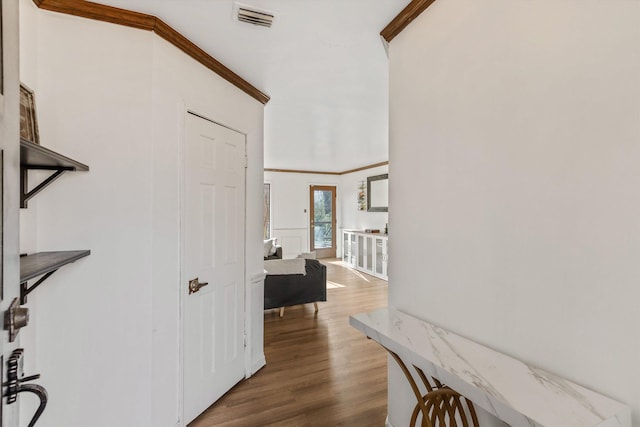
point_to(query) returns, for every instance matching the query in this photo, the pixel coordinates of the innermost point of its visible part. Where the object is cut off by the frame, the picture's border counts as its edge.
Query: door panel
(231, 326)
(323, 221)
(230, 224)
(208, 236)
(213, 224)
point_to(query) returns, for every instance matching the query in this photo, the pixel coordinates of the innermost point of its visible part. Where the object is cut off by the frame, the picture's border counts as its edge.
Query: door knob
(195, 285)
(15, 317)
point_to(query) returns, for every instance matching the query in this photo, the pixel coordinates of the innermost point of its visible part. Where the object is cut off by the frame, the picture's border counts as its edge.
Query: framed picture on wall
(28, 122)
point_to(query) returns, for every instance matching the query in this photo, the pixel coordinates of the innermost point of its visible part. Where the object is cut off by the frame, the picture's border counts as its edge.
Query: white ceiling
(322, 63)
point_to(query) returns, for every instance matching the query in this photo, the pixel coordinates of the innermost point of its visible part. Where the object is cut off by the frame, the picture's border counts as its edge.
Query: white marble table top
(517, 393)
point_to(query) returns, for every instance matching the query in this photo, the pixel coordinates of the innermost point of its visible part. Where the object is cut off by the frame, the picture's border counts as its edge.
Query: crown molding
(375, 165)
(114, 15)
(404, 18)
(301, 171)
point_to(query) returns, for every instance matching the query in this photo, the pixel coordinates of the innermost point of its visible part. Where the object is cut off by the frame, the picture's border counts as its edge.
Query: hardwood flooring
(320, 371)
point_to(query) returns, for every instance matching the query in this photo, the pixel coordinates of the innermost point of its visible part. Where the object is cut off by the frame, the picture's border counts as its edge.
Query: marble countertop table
(517, 393)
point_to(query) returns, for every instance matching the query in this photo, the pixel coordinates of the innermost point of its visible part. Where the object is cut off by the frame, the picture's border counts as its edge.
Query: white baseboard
(387, 423)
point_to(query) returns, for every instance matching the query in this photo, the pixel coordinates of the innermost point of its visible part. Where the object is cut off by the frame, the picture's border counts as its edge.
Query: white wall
(352, 218)
(520, 121)
(107, 327)
(179, 83)
(290, 206)
(91, 321)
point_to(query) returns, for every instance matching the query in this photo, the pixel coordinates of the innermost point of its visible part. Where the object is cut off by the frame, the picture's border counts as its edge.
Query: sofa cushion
(269, 247)
(308, 255)
(285, 266)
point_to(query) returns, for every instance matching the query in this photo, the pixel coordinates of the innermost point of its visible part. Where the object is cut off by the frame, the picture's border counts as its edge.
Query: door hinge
(246, 162)
(245, 340)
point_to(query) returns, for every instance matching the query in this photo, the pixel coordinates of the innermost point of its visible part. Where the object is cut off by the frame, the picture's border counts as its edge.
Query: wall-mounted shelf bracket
(36, 157)
(24, 183)
(43, 264)
(26, 290)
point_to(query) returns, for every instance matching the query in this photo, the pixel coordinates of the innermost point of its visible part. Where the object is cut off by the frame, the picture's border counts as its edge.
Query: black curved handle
(39, 391)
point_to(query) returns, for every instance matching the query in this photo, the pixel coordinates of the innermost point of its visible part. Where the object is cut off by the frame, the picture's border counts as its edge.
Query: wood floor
(320, 371)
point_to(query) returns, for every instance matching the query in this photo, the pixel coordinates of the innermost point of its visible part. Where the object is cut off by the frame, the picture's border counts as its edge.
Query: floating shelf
(37, 157)
(44, 263)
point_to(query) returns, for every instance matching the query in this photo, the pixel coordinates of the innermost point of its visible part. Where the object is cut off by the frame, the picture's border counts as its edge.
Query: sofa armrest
(277, 255)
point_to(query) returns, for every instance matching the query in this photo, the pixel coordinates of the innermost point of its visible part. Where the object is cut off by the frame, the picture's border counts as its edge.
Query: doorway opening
(323, 220)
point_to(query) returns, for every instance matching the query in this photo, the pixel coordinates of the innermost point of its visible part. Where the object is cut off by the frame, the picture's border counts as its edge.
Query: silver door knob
(195, 285)
(15, 318)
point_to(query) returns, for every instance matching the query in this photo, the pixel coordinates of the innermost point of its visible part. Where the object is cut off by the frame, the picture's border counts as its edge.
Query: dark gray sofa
(292, 289)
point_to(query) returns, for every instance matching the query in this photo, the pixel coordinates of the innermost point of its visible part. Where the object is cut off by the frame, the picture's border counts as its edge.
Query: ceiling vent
(251, 15)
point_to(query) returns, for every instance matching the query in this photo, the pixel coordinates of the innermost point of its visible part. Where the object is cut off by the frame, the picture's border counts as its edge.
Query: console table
(517, 393)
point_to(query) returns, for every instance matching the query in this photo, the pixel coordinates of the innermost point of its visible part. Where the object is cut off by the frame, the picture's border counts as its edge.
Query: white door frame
(183, 111)
(9, 131)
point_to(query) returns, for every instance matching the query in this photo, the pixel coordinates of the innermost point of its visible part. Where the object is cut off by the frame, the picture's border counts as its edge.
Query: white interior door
(213, 227)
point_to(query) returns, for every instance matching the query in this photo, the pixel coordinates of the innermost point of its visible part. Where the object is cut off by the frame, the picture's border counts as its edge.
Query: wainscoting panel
(294, 241)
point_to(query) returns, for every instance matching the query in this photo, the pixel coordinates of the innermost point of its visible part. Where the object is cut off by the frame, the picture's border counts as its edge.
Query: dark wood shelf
(40, 263)
(44, 263)
(34, 156)
(37, 157)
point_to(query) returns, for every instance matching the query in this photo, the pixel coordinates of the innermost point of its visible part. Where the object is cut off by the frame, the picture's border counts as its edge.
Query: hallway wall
(520, 121)
(106, 329)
